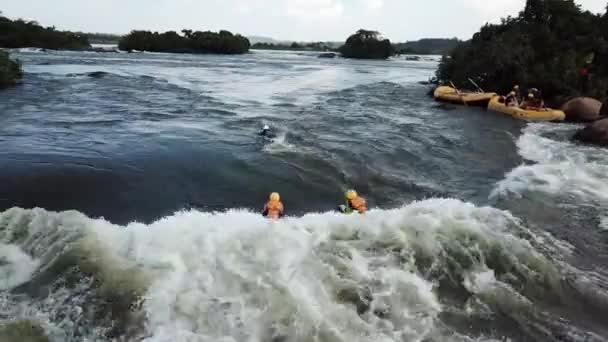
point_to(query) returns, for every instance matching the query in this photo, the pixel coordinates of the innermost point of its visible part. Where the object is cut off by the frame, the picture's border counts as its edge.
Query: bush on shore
(19, 33)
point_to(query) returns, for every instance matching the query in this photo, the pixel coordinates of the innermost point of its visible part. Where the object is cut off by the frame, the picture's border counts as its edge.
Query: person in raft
(517, 92)
(533, 101)
(511, 100)
(273, 208)
(354, 202)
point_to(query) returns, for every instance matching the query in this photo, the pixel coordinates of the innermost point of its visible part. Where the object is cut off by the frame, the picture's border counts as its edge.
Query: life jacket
(273, 209)
(358, 204)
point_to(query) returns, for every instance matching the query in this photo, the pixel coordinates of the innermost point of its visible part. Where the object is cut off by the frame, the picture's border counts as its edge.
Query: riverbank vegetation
(317, 46)
(223, 42)
(366, 44)
(10, 71)
(19, 33)
(428, 46)
(553, 45)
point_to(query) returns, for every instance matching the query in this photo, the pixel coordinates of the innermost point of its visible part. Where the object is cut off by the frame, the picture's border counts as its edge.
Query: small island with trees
(366, 44)
(223, 42)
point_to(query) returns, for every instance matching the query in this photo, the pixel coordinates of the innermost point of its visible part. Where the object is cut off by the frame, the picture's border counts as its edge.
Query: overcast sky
(306, 20)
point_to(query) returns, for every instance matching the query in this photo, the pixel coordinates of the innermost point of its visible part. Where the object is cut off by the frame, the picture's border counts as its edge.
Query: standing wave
(434, 270)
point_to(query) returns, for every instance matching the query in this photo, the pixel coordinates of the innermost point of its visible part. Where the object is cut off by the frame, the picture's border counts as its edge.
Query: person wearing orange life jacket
(354, 202)
(273, 208)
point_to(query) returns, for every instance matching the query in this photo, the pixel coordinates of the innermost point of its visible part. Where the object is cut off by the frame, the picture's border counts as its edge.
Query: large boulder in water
(582, 109)
(595, 133)
(604, 110)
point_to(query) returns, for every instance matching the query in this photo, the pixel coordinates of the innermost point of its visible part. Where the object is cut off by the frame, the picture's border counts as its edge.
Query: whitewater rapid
(236, 276)
(559, 166)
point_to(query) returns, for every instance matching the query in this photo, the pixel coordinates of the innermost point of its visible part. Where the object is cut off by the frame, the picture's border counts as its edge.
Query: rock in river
(595, 133)
(582, 109)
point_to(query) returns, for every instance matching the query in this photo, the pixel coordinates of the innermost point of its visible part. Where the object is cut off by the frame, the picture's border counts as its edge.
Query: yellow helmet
(275, 197)
(516, 87)
(531, 95)
(512, 93)
(351, 194)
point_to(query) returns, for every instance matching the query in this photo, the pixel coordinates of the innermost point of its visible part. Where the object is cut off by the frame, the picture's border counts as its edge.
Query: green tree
(19, 33)
(366, 44)
(187, 33)
(436, 46)
(535, 11)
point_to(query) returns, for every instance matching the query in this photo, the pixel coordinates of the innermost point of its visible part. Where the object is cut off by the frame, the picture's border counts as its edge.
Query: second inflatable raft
(545, 114)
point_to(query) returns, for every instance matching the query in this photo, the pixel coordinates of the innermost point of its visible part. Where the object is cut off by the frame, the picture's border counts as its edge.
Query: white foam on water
(278, 77)
(236, 276)
(29, 50)
(279, 144)
(479, 282)
(604, 223)
(561, 167)
(16, 267)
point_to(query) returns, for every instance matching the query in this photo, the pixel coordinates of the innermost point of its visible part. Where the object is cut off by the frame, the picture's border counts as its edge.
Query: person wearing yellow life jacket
(354, 202)
(273, 208)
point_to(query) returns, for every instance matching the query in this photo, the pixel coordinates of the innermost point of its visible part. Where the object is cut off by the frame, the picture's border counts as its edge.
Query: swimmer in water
(267, 133)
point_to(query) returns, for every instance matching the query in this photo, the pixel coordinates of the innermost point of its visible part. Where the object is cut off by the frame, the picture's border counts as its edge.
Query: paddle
(475, 84)
(458, 92)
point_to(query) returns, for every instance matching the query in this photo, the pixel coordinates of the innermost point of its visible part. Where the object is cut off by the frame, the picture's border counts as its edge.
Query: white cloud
(497, 9)
(242, 6)
(311, 9)
(374, 5)
(503, 8)
(399, 20)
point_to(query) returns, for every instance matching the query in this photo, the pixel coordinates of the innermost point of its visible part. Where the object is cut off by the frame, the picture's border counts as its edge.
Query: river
(131, 185)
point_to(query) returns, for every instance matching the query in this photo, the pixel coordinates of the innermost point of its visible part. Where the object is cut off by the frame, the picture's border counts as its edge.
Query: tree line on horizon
(363, 44)
(552, 45)
(428, 46)
(315, 46)
(424, 46)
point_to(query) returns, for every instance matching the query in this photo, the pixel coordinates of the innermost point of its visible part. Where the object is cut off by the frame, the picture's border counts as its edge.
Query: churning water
(130, 186)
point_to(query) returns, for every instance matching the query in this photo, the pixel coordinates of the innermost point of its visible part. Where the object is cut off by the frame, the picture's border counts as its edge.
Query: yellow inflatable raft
(449, 94)
(545, 114)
